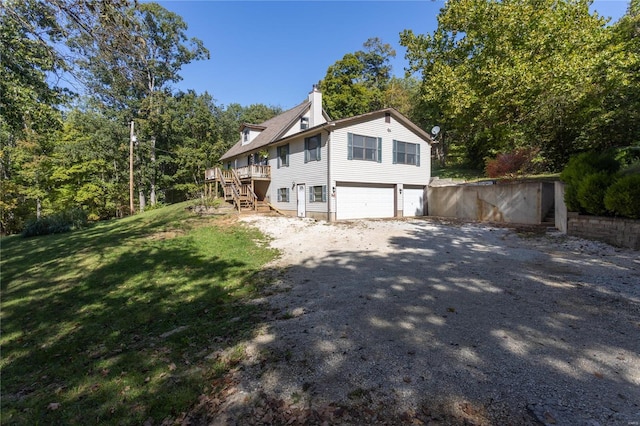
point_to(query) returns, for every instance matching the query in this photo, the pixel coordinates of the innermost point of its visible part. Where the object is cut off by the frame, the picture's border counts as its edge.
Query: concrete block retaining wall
(614, 231)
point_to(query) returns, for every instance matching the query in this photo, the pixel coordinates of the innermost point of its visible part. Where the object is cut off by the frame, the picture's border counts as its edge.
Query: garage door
(358, 202)
(413, 201)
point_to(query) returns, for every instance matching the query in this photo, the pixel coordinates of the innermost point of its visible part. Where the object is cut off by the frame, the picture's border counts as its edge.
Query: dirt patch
(424, 322)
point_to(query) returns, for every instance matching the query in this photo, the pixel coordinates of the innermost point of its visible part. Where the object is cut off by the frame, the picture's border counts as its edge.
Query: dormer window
(304, 123)
(245, 135)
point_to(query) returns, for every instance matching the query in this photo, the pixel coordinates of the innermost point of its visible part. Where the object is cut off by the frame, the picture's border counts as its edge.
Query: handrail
(254, 171)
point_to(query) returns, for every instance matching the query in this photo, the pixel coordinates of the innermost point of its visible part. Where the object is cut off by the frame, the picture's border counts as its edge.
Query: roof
(274, 128)
(364, 117)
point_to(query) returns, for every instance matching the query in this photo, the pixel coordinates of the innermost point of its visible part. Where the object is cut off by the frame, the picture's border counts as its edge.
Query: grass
(113, 324)
(472, 175)
(456, 172)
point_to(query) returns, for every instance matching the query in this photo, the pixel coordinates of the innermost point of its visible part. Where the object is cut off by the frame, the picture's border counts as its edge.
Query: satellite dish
(435, 130)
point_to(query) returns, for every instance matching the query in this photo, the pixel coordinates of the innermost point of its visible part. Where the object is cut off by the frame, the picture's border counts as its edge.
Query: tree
(356, 83)
(90, 167)
(32, 60)
(130, 63)
(502, 75)
(229, 120)
(28, 107)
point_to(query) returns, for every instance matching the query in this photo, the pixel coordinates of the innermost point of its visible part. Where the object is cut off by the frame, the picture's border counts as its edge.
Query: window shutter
(395, 151)
(418, 155)
(324, 193)
(319, 148)
(306, 150)
(311, 194)
(379, 150)
(349, 146)
(288, 196)
(278, 152)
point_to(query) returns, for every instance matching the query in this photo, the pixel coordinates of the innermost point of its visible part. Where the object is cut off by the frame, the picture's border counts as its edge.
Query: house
(374, 165)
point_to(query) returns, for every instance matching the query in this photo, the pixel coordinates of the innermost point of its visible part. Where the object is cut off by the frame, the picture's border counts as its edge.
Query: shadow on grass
(109, 326)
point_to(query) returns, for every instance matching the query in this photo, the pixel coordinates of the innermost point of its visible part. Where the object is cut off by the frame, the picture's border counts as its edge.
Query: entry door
(302, 206)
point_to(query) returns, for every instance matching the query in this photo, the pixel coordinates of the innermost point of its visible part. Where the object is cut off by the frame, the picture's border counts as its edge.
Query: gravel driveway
(422, 322)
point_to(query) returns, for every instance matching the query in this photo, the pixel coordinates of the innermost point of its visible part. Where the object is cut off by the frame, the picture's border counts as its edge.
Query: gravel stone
(430, 322)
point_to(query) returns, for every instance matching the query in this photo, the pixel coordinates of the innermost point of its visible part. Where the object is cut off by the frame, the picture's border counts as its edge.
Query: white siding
(252, 135)
(385, 172)
(295, 128)
(343, 169)
(313, 173)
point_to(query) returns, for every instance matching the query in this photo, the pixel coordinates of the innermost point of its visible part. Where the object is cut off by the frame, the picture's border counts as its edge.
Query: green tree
(229, 120)
(356, 84)
(90, 165)
(28, 107)
(130, 63)
(502, 75)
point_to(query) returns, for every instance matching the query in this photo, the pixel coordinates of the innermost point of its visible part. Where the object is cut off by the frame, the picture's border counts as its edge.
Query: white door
(413, 201)
(302, 205)
(359, 202)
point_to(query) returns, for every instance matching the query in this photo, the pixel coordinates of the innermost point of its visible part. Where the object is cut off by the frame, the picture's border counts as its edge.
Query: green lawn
(84, 316)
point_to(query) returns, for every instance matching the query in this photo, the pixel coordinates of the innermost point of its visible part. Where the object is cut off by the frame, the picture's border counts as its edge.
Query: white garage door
(358, 202)
(413, 201)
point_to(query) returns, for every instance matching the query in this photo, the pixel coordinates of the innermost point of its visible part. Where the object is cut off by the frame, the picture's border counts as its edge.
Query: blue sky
(273, 52)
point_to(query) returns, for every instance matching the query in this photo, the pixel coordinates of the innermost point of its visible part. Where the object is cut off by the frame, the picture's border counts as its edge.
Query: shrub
(509, 163)
(591, 191)
(56, 223)
(623, 197)
(581, 166)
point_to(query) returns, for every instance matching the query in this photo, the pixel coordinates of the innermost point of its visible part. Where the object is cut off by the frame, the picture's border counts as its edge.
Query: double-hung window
(318, 194)
(283, 156)
(283, 195)
(366, 148)
(312, 148)
(406, 153)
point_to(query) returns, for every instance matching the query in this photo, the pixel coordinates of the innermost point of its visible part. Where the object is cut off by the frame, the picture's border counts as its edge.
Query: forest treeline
(543, 77)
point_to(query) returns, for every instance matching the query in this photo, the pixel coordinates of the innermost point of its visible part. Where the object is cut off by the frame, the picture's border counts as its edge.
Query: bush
(510, 163)
(56, 223)
(591, 191)
(579, 168)
(623, 197)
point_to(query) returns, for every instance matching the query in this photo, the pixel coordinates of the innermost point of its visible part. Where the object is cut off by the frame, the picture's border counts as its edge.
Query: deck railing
(246, 172)
(234, 190)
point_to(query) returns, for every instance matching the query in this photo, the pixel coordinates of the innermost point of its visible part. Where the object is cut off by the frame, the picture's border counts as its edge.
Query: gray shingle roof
(274, 128)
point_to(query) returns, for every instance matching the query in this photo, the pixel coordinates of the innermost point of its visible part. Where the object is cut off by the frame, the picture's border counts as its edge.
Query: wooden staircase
(236, 192)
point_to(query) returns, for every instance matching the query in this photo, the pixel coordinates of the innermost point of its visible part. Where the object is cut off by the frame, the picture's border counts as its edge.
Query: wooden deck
(252, 172)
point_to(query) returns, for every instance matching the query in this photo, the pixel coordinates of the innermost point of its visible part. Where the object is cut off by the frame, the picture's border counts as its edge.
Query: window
(304, 123)
(387, 117)
(283, 156)
(364, 148)
(245, 135)
(283, 195)
(406, 153)
(318, 194)
(312, 148)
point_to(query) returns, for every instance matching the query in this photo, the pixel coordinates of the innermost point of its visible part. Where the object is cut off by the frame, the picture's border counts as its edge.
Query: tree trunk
(142, 199)
(152, 196)
(38, 208)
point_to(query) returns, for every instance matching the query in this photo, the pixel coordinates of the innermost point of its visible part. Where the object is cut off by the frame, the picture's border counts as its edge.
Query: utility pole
(132, 139)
